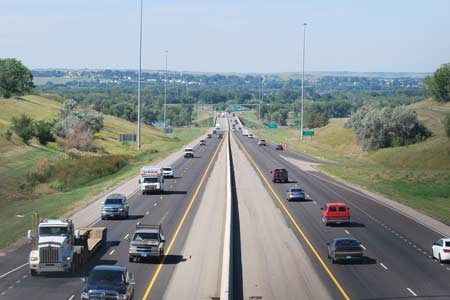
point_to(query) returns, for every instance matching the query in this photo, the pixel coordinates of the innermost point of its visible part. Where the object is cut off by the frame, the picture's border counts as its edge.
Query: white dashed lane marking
(384, 267)
(126, 236)
(112, 252)
(411, 291)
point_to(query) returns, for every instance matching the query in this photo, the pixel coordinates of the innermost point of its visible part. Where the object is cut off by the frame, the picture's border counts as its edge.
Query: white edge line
(411, 291)
(13, 270)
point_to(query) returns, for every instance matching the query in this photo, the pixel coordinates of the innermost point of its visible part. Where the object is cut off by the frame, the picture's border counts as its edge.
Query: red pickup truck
(279, 175)
(335, 213)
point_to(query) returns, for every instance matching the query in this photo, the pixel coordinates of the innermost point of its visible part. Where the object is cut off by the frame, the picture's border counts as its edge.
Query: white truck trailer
(151, 179)
(58, 247)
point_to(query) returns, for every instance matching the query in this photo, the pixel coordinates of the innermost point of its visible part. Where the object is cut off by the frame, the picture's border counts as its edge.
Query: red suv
(279, 175)
(335, 213)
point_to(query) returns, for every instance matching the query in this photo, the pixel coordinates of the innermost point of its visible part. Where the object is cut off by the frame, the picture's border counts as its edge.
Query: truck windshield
(145, 236)
(296, 191)
(167, 169)
(106, 277)
(150, 180)
(113, 201)
(50, 231)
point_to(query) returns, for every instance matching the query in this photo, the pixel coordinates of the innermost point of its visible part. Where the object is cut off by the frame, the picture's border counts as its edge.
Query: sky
(229, 35)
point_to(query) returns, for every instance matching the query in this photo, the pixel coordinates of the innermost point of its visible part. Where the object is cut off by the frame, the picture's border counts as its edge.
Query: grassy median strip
(417, 175)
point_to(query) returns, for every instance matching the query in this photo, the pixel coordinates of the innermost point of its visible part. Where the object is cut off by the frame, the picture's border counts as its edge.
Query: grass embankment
(417, 175)
(62, 190)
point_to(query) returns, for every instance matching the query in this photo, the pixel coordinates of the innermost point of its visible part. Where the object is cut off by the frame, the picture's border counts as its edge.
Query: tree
(43, 132)
(438, 85)
(23, 127)
(15, 78)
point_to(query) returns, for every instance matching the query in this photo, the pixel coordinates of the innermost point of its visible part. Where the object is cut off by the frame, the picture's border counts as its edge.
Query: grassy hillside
(49, 198)
(417, 175)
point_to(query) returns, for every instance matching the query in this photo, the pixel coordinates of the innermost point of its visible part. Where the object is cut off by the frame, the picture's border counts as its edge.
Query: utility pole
(303, 82)
(165, 95)
(139, 84)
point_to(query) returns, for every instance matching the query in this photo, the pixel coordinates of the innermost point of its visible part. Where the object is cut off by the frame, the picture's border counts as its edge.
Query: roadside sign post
(271, 126)
(309, 133)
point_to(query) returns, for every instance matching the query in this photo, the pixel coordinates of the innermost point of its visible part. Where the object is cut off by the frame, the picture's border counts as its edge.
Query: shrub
(81, 138)
(43, 132)
(447, 125)
(380, 127)
(23, 127)
(8, 134)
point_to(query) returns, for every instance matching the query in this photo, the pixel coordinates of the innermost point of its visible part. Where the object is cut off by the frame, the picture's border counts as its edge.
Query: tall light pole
(303, 82)
(165, 93)
(139, 84)
(261, 97)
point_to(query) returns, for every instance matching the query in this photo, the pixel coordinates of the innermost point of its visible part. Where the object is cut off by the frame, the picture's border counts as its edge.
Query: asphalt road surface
(397, 265)
(167, 209)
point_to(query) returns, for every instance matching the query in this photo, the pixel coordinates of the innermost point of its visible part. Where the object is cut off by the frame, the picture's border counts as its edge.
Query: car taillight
(446, 250)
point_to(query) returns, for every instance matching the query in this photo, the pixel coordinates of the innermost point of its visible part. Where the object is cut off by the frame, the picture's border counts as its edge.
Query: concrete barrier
(227, 259)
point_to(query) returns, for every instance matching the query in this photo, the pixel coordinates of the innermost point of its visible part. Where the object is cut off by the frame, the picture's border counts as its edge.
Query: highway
(167, 209)
(398, 263)
(279, 247)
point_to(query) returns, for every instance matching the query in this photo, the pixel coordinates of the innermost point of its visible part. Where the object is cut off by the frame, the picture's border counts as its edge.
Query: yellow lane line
(310, 245)
(158, 270)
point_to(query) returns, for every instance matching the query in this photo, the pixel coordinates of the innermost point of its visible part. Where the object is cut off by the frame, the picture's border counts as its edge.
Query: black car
(219, 136)
(209, 135)
(279, 147)
(345, 249)
(108, 282)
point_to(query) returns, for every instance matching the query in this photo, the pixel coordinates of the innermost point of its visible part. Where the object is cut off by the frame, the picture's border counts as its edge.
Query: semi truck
(151, 179)
(58, 247)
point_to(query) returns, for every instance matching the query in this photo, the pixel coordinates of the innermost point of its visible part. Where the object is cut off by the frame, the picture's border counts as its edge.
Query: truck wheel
(130, 259)
(33, 272)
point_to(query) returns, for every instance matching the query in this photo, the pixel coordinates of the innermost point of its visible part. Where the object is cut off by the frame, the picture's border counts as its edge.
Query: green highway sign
(308, 133)
(272, 125)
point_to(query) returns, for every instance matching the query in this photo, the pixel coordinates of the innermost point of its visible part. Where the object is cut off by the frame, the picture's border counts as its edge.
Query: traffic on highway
(231, 216)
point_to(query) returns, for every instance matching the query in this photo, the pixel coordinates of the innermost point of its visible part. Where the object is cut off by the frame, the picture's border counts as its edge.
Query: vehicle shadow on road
(175, 192)
(169, 259)
(301, 200)
(349, 225)
(135, 217)
(365, 260)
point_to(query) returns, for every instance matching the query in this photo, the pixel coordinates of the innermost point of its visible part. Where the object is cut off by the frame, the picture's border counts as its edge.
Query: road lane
(274, 263)
(199, 276)
(374, 224)
(168, 210)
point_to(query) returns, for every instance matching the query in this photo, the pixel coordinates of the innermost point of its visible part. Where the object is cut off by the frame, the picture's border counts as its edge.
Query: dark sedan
(345, 249)
(279, 147)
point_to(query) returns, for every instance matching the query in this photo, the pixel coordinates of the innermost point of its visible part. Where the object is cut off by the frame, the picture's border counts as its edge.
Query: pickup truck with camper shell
(335, 213)
(279, 175)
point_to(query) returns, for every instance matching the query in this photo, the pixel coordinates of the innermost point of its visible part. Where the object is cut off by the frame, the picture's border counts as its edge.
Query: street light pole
(303, 82)
(262, 96)
(139, 84)
(165, 93)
